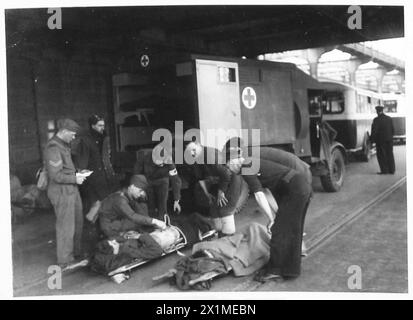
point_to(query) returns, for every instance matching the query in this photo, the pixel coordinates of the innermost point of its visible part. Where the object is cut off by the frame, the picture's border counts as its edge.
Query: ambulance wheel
(333, 180)
(366, 152)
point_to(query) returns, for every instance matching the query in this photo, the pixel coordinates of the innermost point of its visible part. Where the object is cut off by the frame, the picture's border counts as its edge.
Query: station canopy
(219, 30)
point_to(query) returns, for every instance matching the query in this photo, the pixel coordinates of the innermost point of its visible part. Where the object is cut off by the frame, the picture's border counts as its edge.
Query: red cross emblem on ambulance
(249, 98)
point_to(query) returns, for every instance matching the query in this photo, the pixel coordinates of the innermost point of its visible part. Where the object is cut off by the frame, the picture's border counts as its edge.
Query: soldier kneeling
(127, 210)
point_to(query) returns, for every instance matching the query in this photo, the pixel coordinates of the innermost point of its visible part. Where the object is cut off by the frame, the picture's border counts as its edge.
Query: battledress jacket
(118, 211)
(60, 168)
(144, 165)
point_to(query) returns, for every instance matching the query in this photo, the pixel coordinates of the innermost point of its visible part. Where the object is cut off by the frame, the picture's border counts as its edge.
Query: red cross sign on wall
(144, 60)
(249, 97)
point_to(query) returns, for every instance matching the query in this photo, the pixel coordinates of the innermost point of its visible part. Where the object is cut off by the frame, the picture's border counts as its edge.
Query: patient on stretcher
(113, 253)
(134, 246)
(133, 236)
(166, 238)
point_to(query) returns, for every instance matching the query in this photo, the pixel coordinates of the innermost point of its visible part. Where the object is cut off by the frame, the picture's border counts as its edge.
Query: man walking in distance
(63, 192)
(382, 134)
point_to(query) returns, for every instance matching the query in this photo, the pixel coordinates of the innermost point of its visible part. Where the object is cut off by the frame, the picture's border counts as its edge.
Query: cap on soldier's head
(139, 181)
(379, 108)
(67, 124)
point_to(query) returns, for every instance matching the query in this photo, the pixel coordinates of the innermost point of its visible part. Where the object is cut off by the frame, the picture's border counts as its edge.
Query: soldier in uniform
(160, 173)
(127, 209)
(293, 192)
(215, 187)
(382, 134)
(63, 192)
(287, 159)
(92, 151)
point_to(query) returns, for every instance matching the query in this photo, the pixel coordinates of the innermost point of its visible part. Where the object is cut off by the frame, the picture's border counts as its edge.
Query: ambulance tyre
(333, 180)
(366, 151)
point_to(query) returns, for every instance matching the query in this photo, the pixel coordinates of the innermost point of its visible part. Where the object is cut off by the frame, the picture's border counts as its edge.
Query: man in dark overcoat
(382, 134)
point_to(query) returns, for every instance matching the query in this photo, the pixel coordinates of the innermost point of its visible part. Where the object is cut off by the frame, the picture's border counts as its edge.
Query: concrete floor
(375, 242)
(381, 252)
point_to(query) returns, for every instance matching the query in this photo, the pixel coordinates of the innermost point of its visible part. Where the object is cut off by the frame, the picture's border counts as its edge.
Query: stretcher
(203, 281)
(120, 274)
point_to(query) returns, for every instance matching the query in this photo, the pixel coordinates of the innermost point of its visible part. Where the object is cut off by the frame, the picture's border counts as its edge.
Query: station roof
(218, 30)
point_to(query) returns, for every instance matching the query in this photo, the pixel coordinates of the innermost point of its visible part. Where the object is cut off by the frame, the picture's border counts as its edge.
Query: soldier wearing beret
(382, 132)
(63, 192)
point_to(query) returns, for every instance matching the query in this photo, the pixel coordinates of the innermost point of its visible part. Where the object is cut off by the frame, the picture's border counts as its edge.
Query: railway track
(324, 235)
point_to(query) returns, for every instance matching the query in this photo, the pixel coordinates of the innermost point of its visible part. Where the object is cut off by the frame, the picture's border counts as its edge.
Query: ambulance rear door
(218, 101)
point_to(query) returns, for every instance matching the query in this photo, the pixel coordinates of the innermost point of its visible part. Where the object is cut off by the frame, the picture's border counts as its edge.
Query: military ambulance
(224, 93)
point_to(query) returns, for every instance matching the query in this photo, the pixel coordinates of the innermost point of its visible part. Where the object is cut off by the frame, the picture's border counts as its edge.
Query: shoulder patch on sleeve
(173, 172)
(55, 163)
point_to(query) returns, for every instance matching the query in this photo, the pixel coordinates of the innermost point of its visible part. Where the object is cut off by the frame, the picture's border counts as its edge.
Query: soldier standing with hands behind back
(63, 192)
